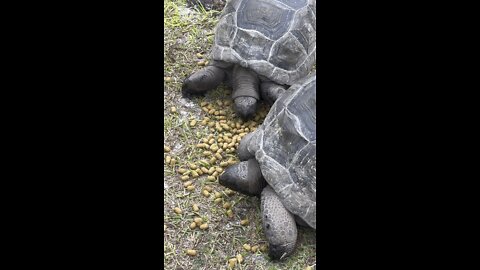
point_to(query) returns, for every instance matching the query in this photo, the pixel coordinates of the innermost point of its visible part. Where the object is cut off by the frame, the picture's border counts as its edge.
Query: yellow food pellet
(308, 268)
(199, 55)
(184, 178)
(204, 140)
(190, 188)
(244, 222)
(173, 161)
(209, 188)
(219, 169)
(205, 109)
(211, 170)
(211, 141)
(195, 208)
(218, 194)
(177, 210)
(191, 252)
(207, 153)
(229, 192)
(239, 258)
(263, 248)
(193, 225)
(173, 110)
(205, 193)
(199, 172)
(201, 63)
(218, 156)
(210, 124)
(188, 183)
(204, 226)
(167, 79)
(164, 227)
(231, 264)
(203, 103)
(192, 166)
(214, 147)
(201, 145)
(213, 160)
(166, 148)
(168, 159)
(224, 164)
(193, 123)
(205, 170)
(247, 247)
(227, 205)
(215, 174)
(210, 178)
(194, 174)
(198, 220)
(217, 200)
(254, 248)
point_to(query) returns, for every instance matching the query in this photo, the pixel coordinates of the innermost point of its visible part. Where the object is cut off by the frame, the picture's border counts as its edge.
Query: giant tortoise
(279, 164)
(260, 48)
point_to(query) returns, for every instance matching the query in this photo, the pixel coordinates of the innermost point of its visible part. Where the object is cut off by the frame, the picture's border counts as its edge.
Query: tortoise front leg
(203, 80)
(278, 224)
(270, 91)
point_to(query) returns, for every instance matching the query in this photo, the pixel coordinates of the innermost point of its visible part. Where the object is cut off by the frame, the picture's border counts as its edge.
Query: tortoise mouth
(244, 177)
(246, 107)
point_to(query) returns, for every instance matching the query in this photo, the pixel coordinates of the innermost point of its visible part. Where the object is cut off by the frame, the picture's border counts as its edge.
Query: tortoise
(279, 164)
(260, 48)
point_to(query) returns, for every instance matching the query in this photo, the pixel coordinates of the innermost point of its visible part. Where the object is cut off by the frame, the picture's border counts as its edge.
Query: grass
(186, 33)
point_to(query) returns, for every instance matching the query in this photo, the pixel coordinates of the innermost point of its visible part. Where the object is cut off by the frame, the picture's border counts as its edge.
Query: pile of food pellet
(223, 132)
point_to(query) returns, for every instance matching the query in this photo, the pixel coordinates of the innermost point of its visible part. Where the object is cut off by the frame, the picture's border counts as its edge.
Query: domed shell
(274, 38)
(285, 147)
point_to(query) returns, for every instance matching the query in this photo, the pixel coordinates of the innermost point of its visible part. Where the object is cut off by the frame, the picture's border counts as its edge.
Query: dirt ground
(194, 131)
